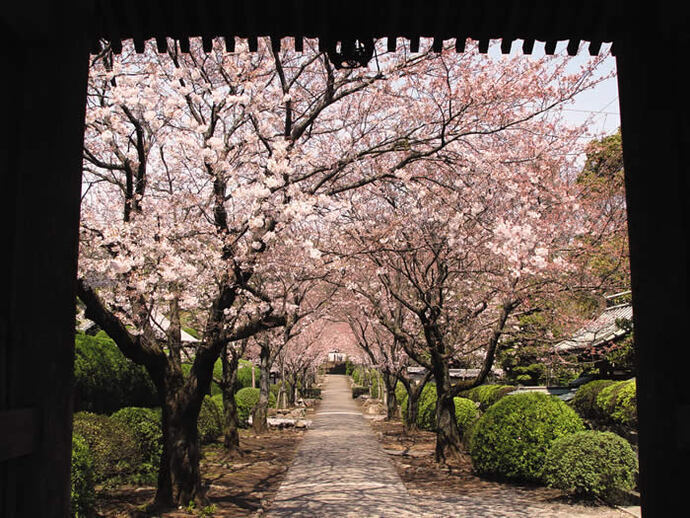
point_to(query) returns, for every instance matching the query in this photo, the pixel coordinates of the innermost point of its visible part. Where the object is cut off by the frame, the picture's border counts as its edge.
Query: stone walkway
(340, 468)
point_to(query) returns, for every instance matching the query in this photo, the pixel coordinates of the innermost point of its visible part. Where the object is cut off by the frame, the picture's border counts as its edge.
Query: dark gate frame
(44, 49)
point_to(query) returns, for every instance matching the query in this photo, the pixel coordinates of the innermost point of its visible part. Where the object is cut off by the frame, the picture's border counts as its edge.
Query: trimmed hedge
(246, 399)
(511, 440)
(145, 425)
(105, 380)
(487, 395)
(114, 449)
(426, 417)
(585, 400)
(466, 414)
(591, 463)
(400, 393)
(618, 403)
(211, 419)
(82, 492)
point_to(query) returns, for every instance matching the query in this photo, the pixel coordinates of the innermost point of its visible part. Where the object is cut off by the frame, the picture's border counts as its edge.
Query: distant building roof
(602, 329)
(456, 373)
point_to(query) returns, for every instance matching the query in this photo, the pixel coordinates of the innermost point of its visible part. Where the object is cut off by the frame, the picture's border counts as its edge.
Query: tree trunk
(447, 433)
(179, 478)
(412, 410)
(391, 402)
(231, 435)
(260, 414)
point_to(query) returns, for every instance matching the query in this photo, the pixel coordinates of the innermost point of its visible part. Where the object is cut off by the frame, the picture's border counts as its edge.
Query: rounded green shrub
(246, 399)
(585, 400)
(511, 440)
(82, 492)
(466, 414)
(145, 424)
(487, 395)
(211, 419)
(426, 417)
(114, 449)
(591, 463)
(617, 403)
(244, 375)
(400, 393)
(105, 380)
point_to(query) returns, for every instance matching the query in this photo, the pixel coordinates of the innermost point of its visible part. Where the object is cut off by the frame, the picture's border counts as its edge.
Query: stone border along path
(341, 470)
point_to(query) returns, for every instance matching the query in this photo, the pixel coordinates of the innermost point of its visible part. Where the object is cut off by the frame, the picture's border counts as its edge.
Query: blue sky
(599, 104)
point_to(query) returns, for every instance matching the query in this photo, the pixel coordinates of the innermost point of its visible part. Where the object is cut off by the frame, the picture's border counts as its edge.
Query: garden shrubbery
(585, 400)
(426, 417)
(466, 414)
(511, 440)
(82, 494)
(145, 425)
(246, 399)
(618, 403)
(105, 380)
(211, 418)
(591, 463)
(114, 449)
(487, 395)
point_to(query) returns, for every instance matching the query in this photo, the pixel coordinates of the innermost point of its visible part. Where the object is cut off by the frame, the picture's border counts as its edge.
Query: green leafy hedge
(246, 399)
(618, 403)
(426, 417)
(591, 463)
(211, 418)
(511, 440)
(585, 400)
(145, 425)
(400, 393)
(105, 380)
(82, 492)
(487, 395)
(466, 414)
(114, 449)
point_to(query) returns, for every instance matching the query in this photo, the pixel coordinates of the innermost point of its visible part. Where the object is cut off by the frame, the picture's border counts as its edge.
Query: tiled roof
(600, 330)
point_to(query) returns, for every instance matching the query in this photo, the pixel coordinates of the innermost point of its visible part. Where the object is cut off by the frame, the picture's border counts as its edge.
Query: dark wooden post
(44, 69)
(655, 114)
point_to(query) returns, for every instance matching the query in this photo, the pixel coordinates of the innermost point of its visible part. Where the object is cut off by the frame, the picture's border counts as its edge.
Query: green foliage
(114, 449)
(512, 438)
(617, 403)
(426, 418)
(487, 395)
(349, 367)
(585, 400)
(145, 425)
(591, 463)
(82, 493)
(466, 414)
(358, 375)
(400, 393)
(246, 399)
(211, 419)
(105, 380)
(244, 375)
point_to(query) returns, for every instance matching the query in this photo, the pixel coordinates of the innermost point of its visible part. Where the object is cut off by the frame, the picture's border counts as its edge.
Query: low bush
(145, 425)
(82, 492)
(511, 440)
(246, 399)
(426, 417)
(487, 395)
(211, 418)
(114, 449)
(466, 414)
(400, 393)
(616, 403)
(591, 463)
(105, 380)
(585, 400)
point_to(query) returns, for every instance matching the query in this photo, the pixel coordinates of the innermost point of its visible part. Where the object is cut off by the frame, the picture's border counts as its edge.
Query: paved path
(340, 468)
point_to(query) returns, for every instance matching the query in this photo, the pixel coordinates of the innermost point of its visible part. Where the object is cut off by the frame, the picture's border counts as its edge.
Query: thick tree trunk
(391, 402)
(231, 434)
(260, 414)
(179, 478)
(448, 438)
(412, 410)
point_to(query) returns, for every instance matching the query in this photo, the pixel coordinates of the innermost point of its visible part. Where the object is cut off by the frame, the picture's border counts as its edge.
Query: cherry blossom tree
(203, 171)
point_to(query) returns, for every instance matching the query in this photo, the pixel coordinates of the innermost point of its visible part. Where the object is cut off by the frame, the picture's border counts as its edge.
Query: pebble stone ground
(340, 470)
